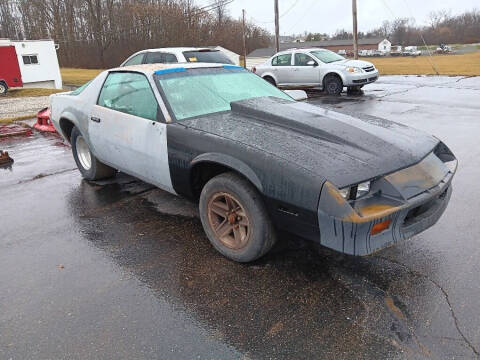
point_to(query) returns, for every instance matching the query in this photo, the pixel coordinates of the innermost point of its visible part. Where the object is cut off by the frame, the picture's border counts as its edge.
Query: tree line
(442, 28)
(102, 33)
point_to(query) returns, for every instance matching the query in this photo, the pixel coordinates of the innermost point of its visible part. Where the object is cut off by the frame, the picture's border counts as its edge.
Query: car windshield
(326, 56)
(208, 56)
(195, 92)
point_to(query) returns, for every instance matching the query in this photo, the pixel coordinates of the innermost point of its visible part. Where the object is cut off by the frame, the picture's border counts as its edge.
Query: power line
(281, 15)
(430, 59)
(301, 18)
(288, 10)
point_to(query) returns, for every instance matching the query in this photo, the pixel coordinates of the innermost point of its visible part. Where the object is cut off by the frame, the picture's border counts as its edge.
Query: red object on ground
(14, 130)
(43, 121)
(9, 68)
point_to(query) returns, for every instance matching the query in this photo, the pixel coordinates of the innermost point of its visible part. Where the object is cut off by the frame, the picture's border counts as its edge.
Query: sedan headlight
(356, 191)
(353, 69)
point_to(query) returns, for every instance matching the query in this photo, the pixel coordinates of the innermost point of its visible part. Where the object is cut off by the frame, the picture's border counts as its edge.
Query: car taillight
(254, 69)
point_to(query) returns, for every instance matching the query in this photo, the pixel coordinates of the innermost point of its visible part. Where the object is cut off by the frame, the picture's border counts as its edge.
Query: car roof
(151, 68)
(298, 49)
(179, 49)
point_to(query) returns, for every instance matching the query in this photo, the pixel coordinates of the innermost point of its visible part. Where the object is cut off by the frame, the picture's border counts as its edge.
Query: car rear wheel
(235, 219)
(3, 88)
(90, 167)
(270, 80)
(332, 84)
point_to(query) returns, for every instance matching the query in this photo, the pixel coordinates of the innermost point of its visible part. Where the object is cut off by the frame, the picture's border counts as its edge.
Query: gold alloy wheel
(228, 220)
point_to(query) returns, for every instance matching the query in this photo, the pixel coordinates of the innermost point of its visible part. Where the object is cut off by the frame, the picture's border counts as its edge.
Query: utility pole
(244, 40)
(277, 28)
(355, 34)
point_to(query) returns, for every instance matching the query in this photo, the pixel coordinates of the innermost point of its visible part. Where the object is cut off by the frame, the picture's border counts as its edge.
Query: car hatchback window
(129, 93)
(282, 60)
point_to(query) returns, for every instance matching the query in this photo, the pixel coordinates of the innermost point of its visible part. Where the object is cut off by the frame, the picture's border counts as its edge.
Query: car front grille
(372, 78)
(360, 81)
(368, 68)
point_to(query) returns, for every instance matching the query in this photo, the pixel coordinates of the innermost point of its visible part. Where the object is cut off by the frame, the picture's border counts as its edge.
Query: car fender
(334, 71)
(269, 73)
(230, 162)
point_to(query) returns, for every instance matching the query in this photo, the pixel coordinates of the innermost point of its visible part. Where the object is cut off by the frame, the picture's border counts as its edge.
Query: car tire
(235, 219)
(3, 88)
(270, 80)
(90, 167)
(354, 89)
(332, 84)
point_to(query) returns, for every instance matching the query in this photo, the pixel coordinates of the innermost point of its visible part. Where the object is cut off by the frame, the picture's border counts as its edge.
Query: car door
(304, 73)
(282, 68)
(127, 129)
(157, 57)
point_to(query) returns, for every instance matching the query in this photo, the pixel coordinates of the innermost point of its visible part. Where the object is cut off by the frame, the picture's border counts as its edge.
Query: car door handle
(95, 119)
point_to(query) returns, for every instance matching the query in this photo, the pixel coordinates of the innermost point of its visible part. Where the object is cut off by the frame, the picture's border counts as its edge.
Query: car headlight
(356, 191)
(353, 69)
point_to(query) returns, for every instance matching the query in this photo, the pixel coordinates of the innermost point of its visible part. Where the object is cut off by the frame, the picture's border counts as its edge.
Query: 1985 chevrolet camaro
(258, 162)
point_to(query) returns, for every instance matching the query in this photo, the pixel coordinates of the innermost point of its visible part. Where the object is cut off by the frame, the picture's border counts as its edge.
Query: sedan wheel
(333, 85)
(235, 219)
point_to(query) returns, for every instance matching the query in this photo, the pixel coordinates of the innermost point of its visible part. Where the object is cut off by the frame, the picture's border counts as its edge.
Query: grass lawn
(31, 92)
(465, 64)
(71, 76)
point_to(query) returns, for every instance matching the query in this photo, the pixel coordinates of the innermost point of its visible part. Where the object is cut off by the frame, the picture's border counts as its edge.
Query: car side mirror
(312, 63)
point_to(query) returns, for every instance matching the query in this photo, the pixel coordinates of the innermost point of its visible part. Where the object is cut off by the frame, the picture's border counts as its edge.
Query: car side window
(302, 59)
(282, 60)
(136, 60)
(160, 58)
(129, 93)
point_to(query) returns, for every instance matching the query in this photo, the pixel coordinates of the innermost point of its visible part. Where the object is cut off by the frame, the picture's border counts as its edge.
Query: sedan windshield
(195, 92)
(326, 56)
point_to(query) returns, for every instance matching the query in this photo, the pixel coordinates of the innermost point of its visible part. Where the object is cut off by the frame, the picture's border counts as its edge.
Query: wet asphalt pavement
(120, 270)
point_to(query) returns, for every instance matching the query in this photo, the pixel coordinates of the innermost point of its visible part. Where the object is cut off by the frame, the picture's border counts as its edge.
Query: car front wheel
(235, 219)
(333, 85)
(90, 167)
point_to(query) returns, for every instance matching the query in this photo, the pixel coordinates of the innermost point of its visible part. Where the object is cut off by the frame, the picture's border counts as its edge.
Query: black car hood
(340, 148)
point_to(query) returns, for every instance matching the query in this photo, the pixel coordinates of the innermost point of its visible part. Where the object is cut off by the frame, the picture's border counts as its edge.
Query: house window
(30, 59)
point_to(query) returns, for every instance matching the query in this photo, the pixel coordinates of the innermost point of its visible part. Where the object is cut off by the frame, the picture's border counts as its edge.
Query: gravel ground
(13, 107)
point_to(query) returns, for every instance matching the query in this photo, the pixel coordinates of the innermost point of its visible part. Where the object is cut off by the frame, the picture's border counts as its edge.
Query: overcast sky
(330, 15)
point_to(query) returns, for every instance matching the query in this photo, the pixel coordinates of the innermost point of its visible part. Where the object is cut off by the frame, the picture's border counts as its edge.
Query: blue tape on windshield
(169, 71)
(232, 67)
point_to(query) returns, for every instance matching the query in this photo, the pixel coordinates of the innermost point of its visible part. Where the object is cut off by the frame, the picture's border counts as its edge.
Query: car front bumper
(360, 79)
(355, 235)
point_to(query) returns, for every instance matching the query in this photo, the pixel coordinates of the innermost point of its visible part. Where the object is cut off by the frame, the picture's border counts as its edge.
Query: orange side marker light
(379, 227)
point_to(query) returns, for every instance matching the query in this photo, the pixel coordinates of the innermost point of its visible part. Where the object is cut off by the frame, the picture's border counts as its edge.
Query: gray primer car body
(297, 156)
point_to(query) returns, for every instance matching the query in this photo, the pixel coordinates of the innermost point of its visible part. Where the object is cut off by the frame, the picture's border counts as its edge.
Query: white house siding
(44, 74)
(385, 46)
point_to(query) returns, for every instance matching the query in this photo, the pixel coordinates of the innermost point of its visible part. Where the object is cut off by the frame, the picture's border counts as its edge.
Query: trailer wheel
(3, 88)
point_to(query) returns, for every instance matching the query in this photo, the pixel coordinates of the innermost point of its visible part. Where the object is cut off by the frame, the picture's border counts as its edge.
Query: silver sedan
(316, 68)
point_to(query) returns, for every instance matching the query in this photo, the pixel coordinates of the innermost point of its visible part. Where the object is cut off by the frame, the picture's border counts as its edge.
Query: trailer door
(9, 68)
